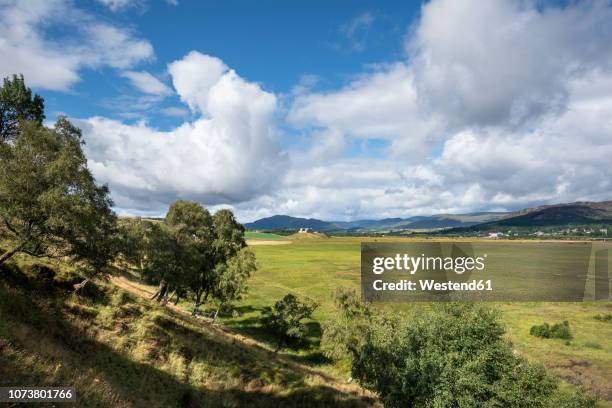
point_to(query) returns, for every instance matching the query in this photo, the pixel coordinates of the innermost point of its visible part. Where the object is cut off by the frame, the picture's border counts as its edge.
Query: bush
(448, 355)
(556, 331)
(603, 318)
(284, 319)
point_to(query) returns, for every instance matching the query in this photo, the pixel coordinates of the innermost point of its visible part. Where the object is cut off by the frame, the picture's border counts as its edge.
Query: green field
(315, 267)
(249, 235)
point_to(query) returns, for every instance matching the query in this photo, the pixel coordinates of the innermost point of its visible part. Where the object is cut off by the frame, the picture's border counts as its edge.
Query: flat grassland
(253, 235)
(316, 267)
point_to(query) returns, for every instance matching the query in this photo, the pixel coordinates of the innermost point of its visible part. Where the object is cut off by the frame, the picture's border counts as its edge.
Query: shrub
(448, 355)
(603, 317)
(284, 319)
(556, 331)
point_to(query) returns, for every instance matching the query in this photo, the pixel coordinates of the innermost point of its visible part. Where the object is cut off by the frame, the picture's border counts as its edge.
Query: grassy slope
(315, 267)
(122, 350)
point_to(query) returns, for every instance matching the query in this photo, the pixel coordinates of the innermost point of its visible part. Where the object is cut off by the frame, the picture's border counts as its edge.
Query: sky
(335, 110)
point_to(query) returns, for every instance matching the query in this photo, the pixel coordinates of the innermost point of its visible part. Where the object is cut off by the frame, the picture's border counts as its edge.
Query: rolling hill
(279, 222)
(545, 215)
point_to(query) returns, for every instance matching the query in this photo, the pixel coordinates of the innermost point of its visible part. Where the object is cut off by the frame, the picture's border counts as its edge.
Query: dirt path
(146, 292)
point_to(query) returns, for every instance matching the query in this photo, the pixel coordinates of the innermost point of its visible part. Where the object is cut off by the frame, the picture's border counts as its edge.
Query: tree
(450, 355)
(172, 257)
(133, 234)
(178, 247)
(284, 319)
(49, 202)
(227, 241)
(17, 105)
(233, 276)
(345, 333)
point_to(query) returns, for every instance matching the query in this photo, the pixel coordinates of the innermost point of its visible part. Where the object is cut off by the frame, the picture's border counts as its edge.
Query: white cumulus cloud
(230, 154)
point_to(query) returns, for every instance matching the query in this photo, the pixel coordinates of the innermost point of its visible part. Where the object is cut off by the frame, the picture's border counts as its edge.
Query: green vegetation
(263, 236)
(603, 317)
(120, 343)
(315, 267)
(121, 350)
(448, 355)
(18, 105)
(190, 254)
(284, 319)
(556, 331)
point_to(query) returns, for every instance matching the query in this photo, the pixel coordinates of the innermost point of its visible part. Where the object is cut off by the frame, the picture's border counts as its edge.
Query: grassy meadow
(111, 339)
(314, 266)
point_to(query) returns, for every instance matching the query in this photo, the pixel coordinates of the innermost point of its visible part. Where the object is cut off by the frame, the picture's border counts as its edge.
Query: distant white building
(304, 230)
(495, 235)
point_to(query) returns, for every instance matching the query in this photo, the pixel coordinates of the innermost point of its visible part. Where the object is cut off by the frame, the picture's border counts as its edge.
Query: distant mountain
(560, 214)
(546, 215)
(579, 213)
(278, 222)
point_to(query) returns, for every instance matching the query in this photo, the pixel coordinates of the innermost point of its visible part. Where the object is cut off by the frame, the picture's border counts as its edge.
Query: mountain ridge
(580, 212)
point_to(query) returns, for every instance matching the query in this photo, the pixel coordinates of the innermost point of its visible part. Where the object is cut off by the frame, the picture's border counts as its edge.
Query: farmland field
(253, 235)
(316, 267)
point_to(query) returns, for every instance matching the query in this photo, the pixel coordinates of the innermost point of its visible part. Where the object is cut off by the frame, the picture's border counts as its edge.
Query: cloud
(496, 106)
(175, 112)
(122, 5)
(147, 83)
(505, 62)
(79, 41)
(117, 5)
(357, 29)
(228, 155)
(382, 104)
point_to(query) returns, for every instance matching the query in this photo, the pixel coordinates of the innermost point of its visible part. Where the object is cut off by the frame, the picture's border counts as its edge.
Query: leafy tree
(227, 241)
(133, 242)
(233, 276)
(345, 334)
(284, 319)
(171, 258)
(17, 105)
(49, 202)
(450, 355)
(195, 221)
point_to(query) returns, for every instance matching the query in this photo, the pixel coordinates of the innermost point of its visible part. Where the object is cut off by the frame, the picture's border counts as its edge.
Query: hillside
(285, 222)
(108, 342)
(582, 213)
(579, 213)
(278, 222)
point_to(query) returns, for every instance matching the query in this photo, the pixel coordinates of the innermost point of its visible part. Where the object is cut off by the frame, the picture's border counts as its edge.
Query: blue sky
(329, 109)
(269, 42)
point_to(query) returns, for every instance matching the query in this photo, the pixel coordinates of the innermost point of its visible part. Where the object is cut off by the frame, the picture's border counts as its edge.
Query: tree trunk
(167, 297)
(279, 345)
(80, 286)
(161, 290)
(197, 302)
(178, 297)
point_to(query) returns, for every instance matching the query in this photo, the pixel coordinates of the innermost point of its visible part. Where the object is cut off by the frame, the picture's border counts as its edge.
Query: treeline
(51, 206)
(191, 253)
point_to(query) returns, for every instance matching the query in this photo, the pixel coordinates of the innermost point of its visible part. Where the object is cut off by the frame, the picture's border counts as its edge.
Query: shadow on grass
(126, 382)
